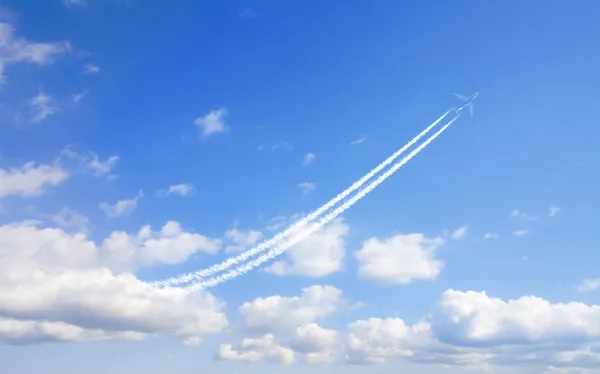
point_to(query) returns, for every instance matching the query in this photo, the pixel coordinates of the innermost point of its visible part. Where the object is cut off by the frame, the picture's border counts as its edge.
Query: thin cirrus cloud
(182, 190)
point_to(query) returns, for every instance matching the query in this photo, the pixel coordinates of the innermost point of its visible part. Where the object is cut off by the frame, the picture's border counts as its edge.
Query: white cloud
(241, 239)
(79, 96)
(319, 345)
(460, 233)
(14, 49)
(399, 259)
(30, 180)
(90, 162)
(212, 123)
(588, 285)
(275, 313)
(69, 219)
(518, 214)
(121, 207)
(70, 3)
(553, 210)
(320, 254)
(183, 190)
(257, 349)
(308, 158)
(520, 233)
(42, 106)
(55, 286)
(490, 235)
(91, 69)
(286, 146)
(358, 141)
(307, 187)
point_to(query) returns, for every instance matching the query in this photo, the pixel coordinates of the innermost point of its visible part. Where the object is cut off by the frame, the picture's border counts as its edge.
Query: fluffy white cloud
(264, 348)
(399, 259)
(241, 239)
(468, 329)
(317, 255)
(285, 313)
(121, 207)
(308, 158)
(212, 123)
(69, 219)
(307, 187)
(30, 180)
(55, 286)
(14, 49)
(588, 285)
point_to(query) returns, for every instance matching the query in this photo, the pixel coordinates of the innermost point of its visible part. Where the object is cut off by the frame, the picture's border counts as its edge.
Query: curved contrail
(185, 278)
(242, 269)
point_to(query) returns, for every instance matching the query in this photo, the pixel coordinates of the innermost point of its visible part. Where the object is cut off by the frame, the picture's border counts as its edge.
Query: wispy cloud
(490, 235)
(588, 285)
(121, 207)
(91, 69)
(248, 13)
(182, 190)
(30, 180)
(553, 210)
(286, 146)
(518, 214)
(212, 123)
(358, 141)
(79, 96)
(460, 233)
(308, 158)
(42, 106)
(520, 233)
(70, 3)
(90, 162)
(307, 187)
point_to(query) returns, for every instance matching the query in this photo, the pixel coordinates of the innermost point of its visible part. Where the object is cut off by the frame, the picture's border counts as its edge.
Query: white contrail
(185, 278)
(242, 269)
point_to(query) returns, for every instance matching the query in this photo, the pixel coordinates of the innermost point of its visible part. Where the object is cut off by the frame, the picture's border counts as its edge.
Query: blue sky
(255, 112)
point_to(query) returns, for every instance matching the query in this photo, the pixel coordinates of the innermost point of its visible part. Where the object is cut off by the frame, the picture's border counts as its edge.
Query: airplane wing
(463, 98)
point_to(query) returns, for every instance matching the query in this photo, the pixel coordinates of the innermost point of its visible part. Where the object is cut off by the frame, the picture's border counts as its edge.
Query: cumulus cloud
(212, 123)
(276, 313)
(400, 259)
(320, 254)
(257, 349)
(240, 240)
(54, 286)
(30, 180)
(121, 207)
(14, 49)
(467, 329)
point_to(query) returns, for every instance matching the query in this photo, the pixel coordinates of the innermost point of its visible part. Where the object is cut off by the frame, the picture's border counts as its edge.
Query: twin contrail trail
(240, 270)
(189, 277)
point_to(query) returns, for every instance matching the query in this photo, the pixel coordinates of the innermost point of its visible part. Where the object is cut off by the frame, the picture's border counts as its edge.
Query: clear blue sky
(138, 79)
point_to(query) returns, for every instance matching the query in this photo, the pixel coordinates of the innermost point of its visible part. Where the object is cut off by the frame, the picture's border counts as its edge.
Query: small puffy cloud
(308, 158)
(307, 187)
(520, 215)
(358, 141)
(14, 49)
(459, 233)
(320, 346)
(91, 69)
(42, 106)
(90, 162)
(54, 286)
(182, 189)
(400, 259)
(121, 207)
(30, 180)
(520, 233)
(212, 123)
(588, 285)
(264, 348)
(241, 239)
(320, 254)
(275, 313)
(490, 235)
(553, 210)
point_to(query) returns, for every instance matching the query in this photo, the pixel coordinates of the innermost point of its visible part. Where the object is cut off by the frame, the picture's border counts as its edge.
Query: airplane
(469, 102)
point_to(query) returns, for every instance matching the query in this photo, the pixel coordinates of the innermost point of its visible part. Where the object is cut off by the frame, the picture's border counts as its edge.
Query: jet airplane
(468, 102)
